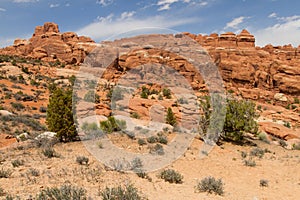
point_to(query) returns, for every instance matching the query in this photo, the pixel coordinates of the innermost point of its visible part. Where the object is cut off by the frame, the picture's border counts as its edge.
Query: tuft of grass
(258, 152)
(211, 185)
(65, 192)
(171, 176)
(5, 173)
(17, 163)
(82, 160)
(49, 152)
(127, 192)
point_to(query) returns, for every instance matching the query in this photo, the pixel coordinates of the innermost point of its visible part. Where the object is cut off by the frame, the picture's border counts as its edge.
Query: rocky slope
(267, 74)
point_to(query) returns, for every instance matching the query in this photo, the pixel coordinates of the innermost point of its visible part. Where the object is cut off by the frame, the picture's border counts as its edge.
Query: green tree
(170, 118)
(59, 115)
(240, 118)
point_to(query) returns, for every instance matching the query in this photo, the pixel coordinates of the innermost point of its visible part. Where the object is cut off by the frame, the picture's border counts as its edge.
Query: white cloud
(285, 32)
(54, 5)
(103, 29)
(25, 1)
(272, 15)
(2, 10)
(165, 4)
(106, 19)
(126, 15)
(104, 2)
(235, 23)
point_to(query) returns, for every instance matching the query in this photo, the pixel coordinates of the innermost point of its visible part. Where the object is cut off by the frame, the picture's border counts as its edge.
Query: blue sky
(271, 21)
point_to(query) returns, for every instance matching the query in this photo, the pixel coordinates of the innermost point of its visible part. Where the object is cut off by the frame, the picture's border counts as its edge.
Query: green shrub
(17, 106)
(171, 176)
(17, 163)
(60, 116)
(82, 160)
(211, 185)
(49, 152)
(34, 172)
(5, 173)
(141, 141)
(167, 93)
(162, 139)
(157, 149)
(170, 118)
(258, 152)
(135, 115)
(127, 192)
(112, 124)
(152, 139)
(65, 192)
(296, 100)
(287, 124)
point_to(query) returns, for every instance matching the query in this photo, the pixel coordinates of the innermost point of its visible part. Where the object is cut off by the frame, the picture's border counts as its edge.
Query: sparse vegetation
(17, 163)
(5, 173)
(49, 152)
(211, 185)
(112, 124)
(82, 160)
(128, 192)
(171, 176)
(258, 152)
(65, 192)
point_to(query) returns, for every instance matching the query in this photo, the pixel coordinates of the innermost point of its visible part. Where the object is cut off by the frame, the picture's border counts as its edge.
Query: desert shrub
(90, 96)
(59, 115)
(135, 115)
(112, 124)
(263, 137)
(136, 164)
(287, 124)
(263, 183)
(296, 100)
(141, 141)
(170, 118)
(167, 93)
(145, 92)
(5, 173)
(160, 97)
(17, 163)
(171, 176)
(162, 139)
(82, 160)
(49, 152)
(296, 146)
(65, 192)
(128, 192)
(157, 149)
(17, 106)
(250, 163)
(152, 139)
(34, 172)
(258, 152)
(211, 185)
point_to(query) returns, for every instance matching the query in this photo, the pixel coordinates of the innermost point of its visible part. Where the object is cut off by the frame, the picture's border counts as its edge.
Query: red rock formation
(48, 44)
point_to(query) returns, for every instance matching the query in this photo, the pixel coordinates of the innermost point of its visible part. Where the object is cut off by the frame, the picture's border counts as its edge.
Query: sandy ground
(280, 167)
